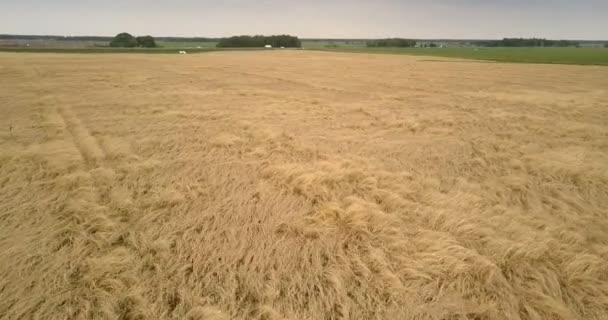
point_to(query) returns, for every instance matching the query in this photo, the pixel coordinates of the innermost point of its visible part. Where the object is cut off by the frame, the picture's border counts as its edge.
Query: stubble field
(301, 185)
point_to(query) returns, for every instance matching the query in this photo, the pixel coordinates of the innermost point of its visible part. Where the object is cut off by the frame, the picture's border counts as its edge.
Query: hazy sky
(472, 19)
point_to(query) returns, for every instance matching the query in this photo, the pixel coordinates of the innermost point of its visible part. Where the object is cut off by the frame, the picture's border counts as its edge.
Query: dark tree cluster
(393, 42)
(123, 40)
(429, 45)
(126, 40)
(527, 42)
(286, 41)
(146, 42)
(185, 39)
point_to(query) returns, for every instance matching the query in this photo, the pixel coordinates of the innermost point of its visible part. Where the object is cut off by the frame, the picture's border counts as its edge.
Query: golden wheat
(301, 185)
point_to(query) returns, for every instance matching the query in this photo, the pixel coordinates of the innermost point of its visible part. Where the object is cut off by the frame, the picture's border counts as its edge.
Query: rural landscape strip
(512, 50)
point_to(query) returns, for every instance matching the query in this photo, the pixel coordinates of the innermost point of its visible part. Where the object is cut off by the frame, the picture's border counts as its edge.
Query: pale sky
(455, 19)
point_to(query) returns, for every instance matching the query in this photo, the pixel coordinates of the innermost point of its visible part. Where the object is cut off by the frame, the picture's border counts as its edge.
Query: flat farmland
(301, 185)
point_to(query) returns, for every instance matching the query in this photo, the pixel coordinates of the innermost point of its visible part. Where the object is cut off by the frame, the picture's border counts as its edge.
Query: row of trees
(527, 42)
(126, 40)
(286, 41)
(185, 39)
(392, 42)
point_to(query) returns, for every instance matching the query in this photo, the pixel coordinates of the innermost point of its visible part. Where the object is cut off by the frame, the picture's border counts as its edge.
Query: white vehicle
(268, 46)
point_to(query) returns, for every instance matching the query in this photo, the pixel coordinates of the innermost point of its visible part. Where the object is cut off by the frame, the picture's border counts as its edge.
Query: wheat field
(301, 185)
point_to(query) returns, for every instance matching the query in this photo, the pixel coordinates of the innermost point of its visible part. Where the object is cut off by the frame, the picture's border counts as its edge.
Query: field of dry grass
(301, 185)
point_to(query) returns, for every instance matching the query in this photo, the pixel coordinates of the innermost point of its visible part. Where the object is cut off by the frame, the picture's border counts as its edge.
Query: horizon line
(301, 38)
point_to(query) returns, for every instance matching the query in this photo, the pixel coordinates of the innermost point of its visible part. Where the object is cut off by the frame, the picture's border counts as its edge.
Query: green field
(580, 56)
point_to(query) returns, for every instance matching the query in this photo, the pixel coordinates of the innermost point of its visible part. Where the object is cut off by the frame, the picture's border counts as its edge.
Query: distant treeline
(62, 38)
(97, 38)
(527, 42)
(393, 42)
(277, 41)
